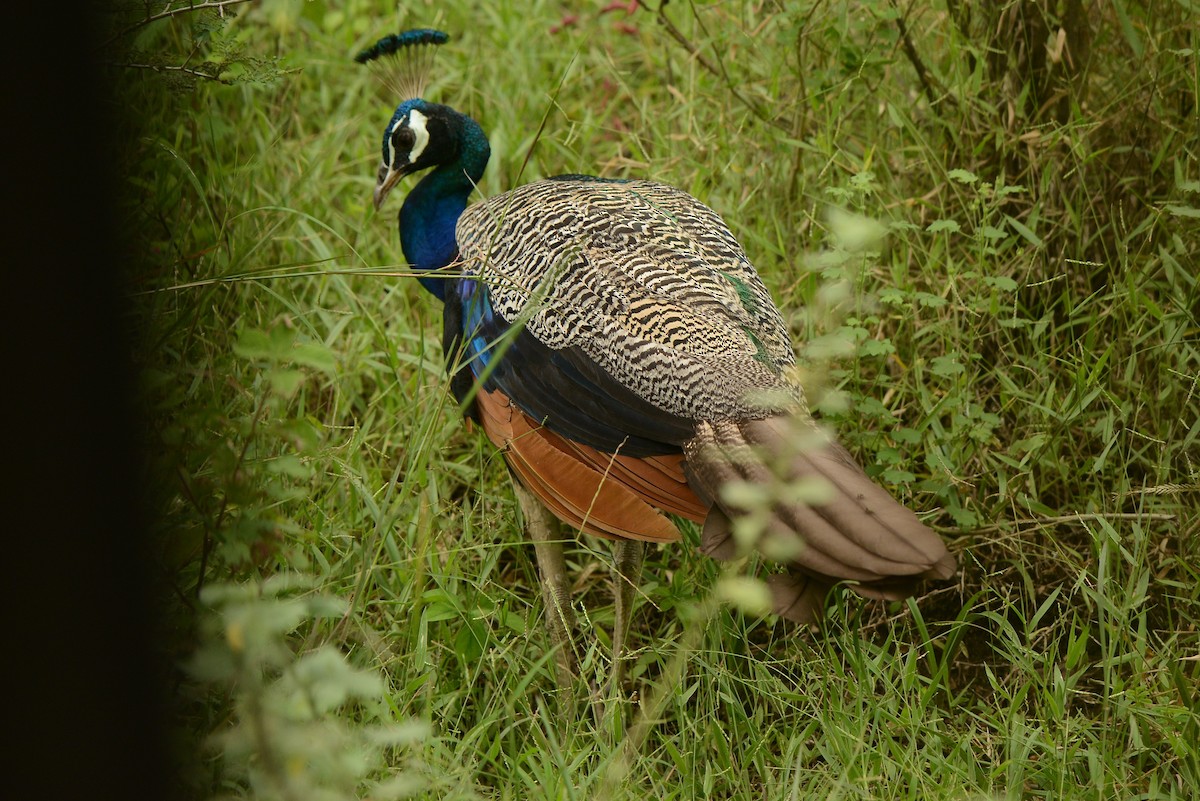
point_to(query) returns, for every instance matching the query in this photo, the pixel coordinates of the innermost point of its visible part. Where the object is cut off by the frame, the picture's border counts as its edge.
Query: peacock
(613, 339)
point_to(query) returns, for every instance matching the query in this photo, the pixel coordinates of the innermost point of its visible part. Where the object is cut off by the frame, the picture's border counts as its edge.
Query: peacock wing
(644, 280)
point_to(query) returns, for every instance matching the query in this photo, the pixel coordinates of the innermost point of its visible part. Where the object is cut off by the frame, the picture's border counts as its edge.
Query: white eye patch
(416, 124)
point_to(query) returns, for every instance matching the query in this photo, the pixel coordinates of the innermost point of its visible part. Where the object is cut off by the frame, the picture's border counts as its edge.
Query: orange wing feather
(617, 497)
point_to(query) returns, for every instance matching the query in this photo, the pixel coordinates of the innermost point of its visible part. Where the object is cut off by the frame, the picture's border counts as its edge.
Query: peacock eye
(403, 140)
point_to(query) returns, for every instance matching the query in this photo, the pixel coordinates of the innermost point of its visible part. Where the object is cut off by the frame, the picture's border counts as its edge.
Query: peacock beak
(388, 178)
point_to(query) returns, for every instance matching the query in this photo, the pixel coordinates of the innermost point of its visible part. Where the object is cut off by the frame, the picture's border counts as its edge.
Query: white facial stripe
(416, 123)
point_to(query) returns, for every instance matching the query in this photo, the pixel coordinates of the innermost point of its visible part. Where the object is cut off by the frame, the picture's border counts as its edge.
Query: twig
(910, 50)
(171, 12)
(1081, 517)
(184, 70)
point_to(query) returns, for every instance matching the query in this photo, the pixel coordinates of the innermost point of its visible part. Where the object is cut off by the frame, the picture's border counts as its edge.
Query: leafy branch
(218, 5)
(182, 69)
(203, 34)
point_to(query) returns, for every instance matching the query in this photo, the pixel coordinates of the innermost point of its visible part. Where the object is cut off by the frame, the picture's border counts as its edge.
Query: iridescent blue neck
(431, 210)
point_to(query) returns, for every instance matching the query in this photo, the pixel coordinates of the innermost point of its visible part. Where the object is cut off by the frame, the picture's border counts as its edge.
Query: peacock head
(421, 134)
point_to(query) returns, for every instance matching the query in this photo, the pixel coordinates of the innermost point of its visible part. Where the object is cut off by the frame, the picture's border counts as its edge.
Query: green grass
(350, 606)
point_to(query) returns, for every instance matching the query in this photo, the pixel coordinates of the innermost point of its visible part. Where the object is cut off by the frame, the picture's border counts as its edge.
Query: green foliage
(290, 735)
(980, 224)
(184, 45)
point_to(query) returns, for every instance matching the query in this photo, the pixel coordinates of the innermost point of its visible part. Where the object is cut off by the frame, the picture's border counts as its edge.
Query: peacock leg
(627, 574)
(552, 569)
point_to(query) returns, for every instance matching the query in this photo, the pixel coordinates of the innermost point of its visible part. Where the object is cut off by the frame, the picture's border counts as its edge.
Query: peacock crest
(402, 61)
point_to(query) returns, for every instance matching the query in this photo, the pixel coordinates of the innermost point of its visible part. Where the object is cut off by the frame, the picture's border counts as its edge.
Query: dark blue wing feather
(562, 388)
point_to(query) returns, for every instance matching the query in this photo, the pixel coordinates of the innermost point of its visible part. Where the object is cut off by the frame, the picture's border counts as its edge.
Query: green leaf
(285, 583)
(853, 333)
(290, 466)
(285, 382)
(873, 408)
(938, 226)
(255, 344)
(855, 232)
(1182, 211)
(301, 433)
(1030, 444)
(326, 606)
(745, 495)
(747, 594)
(1183, 183)
(965, 518)
(435, 613)
(267, 617)
(808, 491)
(322, 681)
(470, 641)
(409, 732)
(315, 355)
(945, 366)
(888, 456)
(403, 785)
(930, 301)
(830, 346)
(1024, 231)
(963, 176)
(1129, 29)
(877, 347)
(894, 475)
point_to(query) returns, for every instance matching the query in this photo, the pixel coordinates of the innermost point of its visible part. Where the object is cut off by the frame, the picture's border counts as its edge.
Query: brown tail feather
(796, 596)
(659, 480)
(858, 533)
(595, 498)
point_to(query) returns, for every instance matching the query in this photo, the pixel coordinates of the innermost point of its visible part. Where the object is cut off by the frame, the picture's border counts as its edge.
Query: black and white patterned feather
(646, 280)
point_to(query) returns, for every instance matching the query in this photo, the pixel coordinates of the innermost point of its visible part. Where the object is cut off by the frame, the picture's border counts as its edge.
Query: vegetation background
(982, 222)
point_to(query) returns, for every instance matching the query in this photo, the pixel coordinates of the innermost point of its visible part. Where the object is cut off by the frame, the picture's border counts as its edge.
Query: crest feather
(402, 61)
